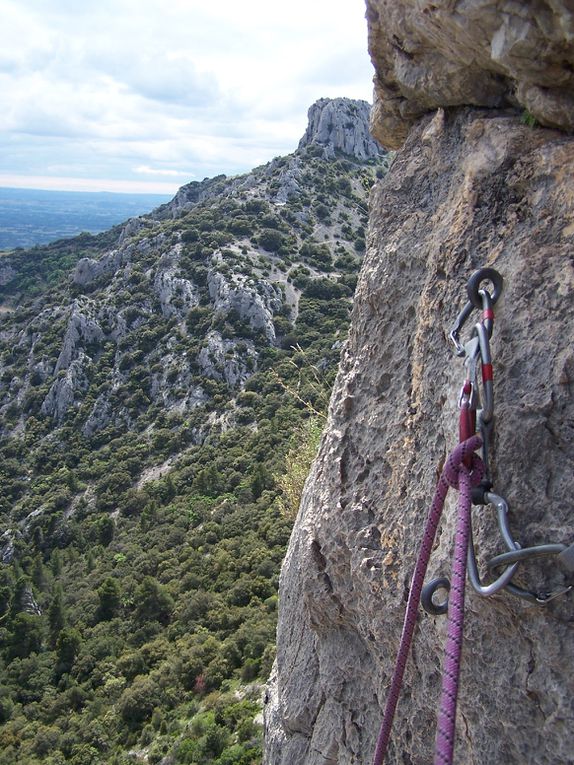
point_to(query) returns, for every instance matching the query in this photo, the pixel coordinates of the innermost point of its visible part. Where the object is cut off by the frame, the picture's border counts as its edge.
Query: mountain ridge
(162, 389)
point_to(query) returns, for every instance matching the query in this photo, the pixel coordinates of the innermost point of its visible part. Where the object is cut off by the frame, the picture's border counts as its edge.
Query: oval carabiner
(483, 275)
(487, 375)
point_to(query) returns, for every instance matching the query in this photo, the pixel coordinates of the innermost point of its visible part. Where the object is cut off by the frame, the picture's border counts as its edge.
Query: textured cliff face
(470, 187)
(487, 53)
(475, 189)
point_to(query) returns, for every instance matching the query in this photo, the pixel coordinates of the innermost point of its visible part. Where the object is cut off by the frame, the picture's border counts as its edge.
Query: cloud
(108, 87)
(146, 170)
(70, 183)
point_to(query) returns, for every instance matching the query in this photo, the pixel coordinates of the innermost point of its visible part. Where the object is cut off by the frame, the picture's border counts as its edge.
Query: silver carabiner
(518, 555)
(461, 320)
(487, 410)
(503, 580)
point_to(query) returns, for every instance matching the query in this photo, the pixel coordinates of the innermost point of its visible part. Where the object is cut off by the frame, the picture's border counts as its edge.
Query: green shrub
(271, 239)
(137, 703)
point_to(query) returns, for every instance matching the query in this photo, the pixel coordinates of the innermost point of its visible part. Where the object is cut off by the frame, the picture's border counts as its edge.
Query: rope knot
(455, 463)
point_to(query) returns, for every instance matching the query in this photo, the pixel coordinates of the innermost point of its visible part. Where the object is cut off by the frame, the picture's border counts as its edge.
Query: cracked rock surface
(496, 53)
(470, 188)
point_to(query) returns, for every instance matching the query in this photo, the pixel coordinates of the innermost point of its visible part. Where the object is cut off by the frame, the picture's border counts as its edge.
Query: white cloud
(108, 87)
(70, 183)
(146, 170)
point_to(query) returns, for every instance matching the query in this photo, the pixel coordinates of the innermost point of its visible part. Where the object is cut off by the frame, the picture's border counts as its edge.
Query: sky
(146, 95)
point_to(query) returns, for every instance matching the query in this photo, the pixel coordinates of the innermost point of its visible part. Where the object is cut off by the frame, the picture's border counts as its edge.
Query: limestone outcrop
(340, 125)
(254, 302)
(470, 187)
(493, 53)
(175, 294)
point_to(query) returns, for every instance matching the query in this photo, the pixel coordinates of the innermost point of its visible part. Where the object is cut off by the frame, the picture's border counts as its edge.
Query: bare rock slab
(470, 188)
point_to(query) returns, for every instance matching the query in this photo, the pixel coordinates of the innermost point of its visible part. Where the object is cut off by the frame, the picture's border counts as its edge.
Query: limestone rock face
(175, 294)
(484, 53)
(66, 387)
(221, 360)
(88, 270)
(255, 302)
(190, 195)
(341, 124)
(469, 188)
(82, 329)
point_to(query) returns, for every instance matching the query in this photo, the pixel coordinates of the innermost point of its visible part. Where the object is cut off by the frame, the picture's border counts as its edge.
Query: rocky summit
(163, 387)
(341, 125)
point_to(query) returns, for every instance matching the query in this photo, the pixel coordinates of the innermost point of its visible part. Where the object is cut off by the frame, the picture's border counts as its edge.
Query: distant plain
(32, 216)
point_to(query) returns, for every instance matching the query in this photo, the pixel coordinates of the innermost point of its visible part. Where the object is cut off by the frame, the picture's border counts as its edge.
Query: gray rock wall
(341, 125)
(495, 53)
(469, 188)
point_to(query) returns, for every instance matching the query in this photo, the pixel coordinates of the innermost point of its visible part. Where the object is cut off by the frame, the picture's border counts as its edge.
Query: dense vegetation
(144, 527)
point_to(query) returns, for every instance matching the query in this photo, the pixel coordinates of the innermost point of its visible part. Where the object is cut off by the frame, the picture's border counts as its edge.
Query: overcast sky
(146, 95)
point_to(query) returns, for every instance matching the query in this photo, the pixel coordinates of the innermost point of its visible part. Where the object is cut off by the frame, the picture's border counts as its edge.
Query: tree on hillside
(109, 595)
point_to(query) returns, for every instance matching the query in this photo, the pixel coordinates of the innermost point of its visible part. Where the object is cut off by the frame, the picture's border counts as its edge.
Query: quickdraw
(470, 474)
(477, 415)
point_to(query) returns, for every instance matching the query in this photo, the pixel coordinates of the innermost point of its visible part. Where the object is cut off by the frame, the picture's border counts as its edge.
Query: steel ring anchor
(427, 594)
(478, 298)
(483, 275)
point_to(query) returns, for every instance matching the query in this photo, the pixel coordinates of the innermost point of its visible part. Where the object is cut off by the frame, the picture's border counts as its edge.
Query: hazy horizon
(39, 216)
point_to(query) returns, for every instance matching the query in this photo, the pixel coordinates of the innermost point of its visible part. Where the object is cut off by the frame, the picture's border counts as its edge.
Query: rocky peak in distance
(341, 124)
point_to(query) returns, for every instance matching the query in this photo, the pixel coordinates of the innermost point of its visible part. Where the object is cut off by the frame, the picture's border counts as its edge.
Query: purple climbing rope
(456, 475)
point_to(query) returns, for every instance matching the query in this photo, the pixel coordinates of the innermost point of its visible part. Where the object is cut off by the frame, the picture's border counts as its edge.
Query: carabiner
(487, 312)
(503, 580)
(454, 333)
(487, 411)
(519, 555)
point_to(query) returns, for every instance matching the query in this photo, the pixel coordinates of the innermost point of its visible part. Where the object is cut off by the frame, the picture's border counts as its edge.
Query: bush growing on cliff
(271, 239)
(298, 461)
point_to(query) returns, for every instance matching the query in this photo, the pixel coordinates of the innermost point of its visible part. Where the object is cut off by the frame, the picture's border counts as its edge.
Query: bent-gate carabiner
(503, 580)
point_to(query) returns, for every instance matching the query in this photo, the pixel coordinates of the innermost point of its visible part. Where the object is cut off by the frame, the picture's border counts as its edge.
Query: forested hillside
(162, 393)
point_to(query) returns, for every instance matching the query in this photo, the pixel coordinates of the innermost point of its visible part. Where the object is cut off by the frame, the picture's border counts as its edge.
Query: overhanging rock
(495, 53)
